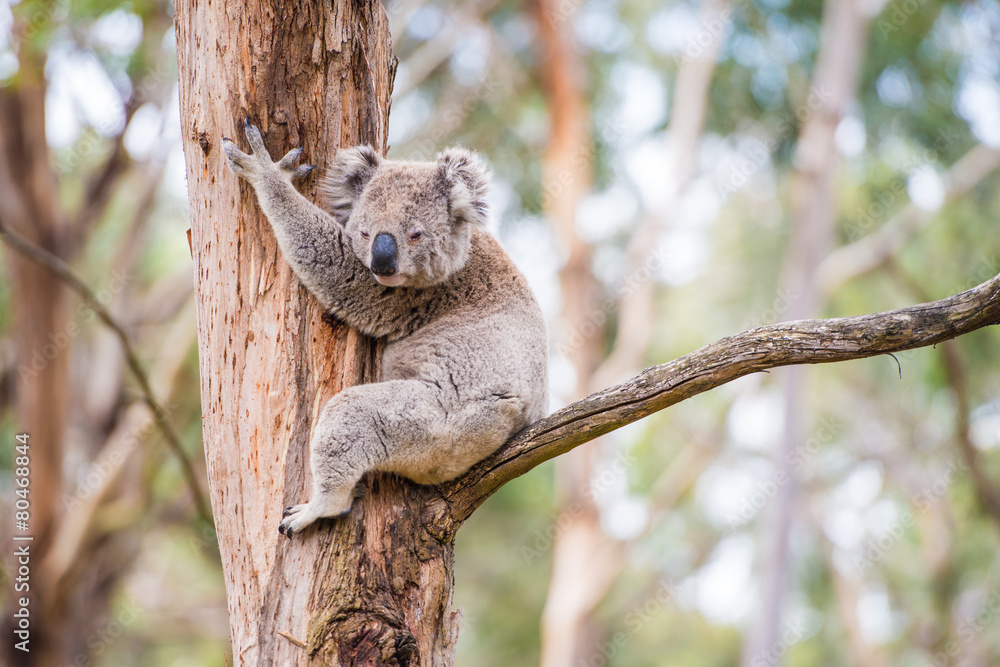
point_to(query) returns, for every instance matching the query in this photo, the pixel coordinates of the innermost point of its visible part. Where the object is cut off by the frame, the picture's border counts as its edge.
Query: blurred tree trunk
(583, 560)
(843, 37)
(40, 316)
(586, 561)
(374, 589)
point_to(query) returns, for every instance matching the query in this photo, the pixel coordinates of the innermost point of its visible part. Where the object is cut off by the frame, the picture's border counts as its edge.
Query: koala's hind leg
(361, 429)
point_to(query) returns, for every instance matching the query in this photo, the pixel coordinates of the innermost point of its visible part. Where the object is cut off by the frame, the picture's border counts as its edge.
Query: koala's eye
(364, 234)
(415, 236)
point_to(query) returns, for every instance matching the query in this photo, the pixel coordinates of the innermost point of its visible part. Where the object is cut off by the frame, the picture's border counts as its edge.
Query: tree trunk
(586, 562)
(843, 41)
(580, 556)
(40, 329)
(373, 589)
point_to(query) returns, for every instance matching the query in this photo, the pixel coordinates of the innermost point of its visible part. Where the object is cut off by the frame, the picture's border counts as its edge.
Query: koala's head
(410, 223)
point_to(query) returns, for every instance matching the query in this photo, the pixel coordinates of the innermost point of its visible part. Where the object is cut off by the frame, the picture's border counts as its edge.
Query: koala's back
(483, 342)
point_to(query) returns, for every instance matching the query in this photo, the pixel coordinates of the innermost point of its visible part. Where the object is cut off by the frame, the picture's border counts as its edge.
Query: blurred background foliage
(894, 529)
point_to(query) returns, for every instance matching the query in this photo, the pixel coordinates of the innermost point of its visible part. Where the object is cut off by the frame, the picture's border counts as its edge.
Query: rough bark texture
(373, 589)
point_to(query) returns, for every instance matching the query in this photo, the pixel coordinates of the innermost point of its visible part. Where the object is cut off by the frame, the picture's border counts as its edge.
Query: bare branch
(67, 275)
(659, 387)
(954, 368)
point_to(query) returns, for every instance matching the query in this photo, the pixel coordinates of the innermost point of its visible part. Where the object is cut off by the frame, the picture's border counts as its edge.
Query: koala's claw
(287, 164)
(302, 171)
(293, 520)
(256, 142)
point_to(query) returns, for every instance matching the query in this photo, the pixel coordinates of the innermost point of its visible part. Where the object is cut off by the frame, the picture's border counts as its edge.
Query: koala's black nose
(384, 255)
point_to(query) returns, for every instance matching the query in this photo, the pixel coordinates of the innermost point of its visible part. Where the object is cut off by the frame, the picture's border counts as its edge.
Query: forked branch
(659, 387)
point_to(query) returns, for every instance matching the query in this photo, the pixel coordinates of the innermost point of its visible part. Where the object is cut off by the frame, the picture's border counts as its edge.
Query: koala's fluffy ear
(347, 178)
(466, 179)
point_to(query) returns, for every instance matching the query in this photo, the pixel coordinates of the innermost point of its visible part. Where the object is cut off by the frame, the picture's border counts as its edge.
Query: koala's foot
(323, 505)
(258, 163)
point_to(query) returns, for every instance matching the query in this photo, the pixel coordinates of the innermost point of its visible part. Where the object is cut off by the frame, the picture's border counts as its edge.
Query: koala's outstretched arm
(311, 240)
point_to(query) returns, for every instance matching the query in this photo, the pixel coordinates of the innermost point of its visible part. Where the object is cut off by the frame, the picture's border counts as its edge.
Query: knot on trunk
(369, 640)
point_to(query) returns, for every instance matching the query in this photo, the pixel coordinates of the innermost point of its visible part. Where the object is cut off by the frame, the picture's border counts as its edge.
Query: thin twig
(898, 366)
(62, 270)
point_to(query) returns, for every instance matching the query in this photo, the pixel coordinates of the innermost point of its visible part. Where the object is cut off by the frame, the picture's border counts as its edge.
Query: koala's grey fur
(464, 366)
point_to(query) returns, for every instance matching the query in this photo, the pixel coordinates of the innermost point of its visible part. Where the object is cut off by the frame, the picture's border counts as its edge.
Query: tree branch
(659, 387)
(67, 275)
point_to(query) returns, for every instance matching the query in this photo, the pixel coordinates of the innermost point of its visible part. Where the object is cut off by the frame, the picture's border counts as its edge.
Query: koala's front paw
(258, 162)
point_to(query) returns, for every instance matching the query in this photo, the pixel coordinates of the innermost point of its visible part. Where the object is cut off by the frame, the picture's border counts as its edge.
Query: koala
(403, 255)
